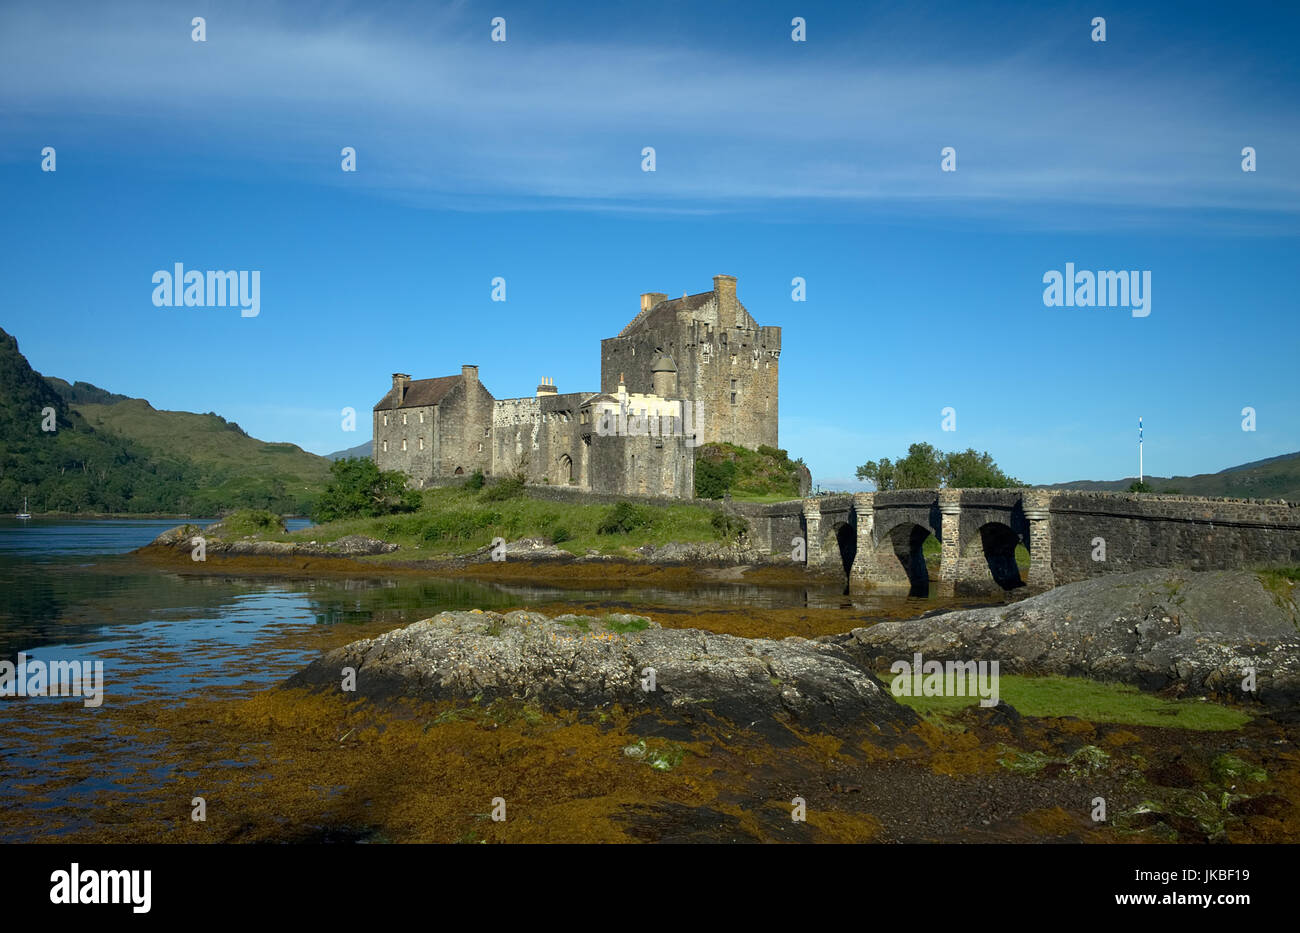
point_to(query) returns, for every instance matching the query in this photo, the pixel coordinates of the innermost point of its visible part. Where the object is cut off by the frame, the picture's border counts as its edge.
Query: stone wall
(643, 465)
(544, 435)
(415, 426)
(463, 430)
(1142, 531)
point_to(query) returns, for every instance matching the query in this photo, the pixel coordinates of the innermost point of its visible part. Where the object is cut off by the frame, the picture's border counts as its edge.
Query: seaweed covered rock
(589, 662)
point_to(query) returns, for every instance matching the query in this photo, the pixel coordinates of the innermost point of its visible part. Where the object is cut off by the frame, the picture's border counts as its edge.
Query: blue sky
(774, 159)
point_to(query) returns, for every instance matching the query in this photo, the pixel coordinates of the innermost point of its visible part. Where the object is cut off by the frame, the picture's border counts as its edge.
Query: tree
(1136, 486)
(925, 467)
(358, 489)
(971, 470)
(920, 469)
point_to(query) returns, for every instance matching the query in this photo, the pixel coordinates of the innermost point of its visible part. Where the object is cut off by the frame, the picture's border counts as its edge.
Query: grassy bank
(1089, 700)
(458, 520)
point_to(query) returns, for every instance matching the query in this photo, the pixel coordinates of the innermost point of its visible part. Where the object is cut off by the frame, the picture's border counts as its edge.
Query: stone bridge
(877, 539)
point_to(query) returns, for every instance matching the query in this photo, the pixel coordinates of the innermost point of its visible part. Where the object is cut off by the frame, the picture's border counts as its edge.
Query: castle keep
(684, 372)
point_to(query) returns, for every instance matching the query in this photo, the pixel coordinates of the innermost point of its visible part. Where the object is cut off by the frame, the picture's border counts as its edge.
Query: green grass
(623, 627)
(455, 520)
(244, 522)
(1089, 700)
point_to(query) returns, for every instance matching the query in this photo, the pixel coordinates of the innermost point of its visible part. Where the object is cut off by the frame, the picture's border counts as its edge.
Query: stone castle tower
(723, 358)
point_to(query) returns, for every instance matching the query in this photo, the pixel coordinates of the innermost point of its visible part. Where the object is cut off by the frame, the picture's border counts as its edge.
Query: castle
(684, 372)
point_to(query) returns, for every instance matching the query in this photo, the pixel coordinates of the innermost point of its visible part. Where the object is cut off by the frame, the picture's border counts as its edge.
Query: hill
(1272, 478)
(234, 469)
(361, 450)
(110, 453)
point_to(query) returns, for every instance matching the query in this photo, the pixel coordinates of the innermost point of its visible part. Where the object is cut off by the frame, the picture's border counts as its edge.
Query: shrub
(560, 534)
(623, 518)
(729, 527)
(508, 488)
(713, 480)
(358, 489)
(475, 481)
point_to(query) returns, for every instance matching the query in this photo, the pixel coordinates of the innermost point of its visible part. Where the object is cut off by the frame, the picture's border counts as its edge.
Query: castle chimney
(400, 383)
(725, 287)
(650, 299)
(469, 374)
(546, 387)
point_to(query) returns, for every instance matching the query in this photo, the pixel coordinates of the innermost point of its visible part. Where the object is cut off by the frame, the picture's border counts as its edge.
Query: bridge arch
(898, 558)
(987, 560)
(841, 539)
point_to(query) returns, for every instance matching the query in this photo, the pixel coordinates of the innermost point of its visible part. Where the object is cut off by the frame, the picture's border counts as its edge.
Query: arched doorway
(564, 470)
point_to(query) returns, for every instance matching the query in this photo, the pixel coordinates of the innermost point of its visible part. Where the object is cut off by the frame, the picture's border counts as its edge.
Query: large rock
(1195, 632)
(587, 662)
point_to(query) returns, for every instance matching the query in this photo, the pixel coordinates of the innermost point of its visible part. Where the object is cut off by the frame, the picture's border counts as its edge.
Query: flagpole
(1139, 448)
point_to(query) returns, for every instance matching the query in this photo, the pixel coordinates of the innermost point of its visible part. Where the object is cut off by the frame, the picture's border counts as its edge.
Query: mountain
(1272, 478)
(111, 453)
(361, 450)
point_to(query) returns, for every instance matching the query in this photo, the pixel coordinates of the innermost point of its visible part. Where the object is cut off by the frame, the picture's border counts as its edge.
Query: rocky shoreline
(1215, 634)
(1182, 633)
(526, 560)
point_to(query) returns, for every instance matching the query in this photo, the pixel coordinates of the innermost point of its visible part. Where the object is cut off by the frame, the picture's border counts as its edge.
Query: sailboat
(24, 514)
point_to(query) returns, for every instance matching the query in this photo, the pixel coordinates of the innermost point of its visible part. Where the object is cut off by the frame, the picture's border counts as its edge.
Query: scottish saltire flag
(1139, 430)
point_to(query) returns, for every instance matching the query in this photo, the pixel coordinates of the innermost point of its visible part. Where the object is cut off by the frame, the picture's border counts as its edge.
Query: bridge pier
(1037, 509)
(812, 516)
(950, 568)
(864, 508)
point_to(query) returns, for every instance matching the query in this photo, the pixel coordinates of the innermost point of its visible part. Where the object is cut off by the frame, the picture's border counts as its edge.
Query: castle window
(385, 419)
(385, 446)
(480, 446)
(422, 443)
(403, 443)
(421, 416)
(403, 417)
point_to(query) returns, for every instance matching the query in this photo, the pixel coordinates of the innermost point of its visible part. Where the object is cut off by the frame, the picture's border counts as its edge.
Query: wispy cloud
(442, 116)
